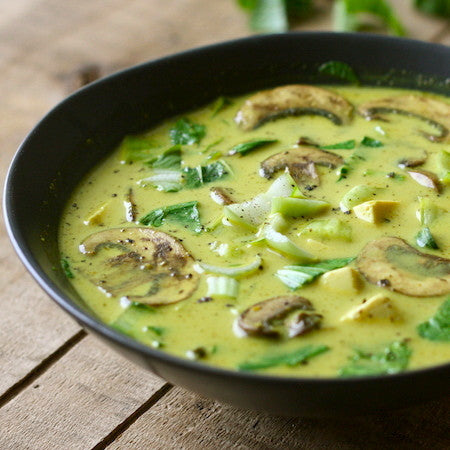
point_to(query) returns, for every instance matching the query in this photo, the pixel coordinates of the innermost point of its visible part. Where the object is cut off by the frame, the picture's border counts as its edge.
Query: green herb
(296, 276)
(213, 156)
(424, 238)
(346, 145)
(66, 268)
(347, 15)
(195, 177)
(340, 70)
(436, 7)
(290, 359)
(170, 159)
(184, 213)
(428, 212)
(213, 144)
(342, 172)
(142, 306)
(274, 15)
(437, 328)
(392, 359)
(349, 163)
(370, 142)
(247, 147)
(186, 132)
(159, 331)
(220, 104)
(269, 16)
(136, 148)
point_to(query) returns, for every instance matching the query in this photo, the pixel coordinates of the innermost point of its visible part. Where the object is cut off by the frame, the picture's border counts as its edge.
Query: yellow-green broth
(190, 324)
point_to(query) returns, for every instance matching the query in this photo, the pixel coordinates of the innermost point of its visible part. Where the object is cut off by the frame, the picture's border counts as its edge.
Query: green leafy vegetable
(186, 132)
(274, 15)
(247, 147)
(346, 145)
(290, 359)
(436, 7)
(437, 328)
(66, 268)
(159, 331)
(296, 276)
(332, 228)
(269, 16)
(428, 212)
(170, 159)
(184, 213)
(370, 142)
(195, 177)
(392, 359)
(348, 165)
(340, 70)
(220, 104)
(347, 15)
(424, 238)
(126, 323)
(136, 148)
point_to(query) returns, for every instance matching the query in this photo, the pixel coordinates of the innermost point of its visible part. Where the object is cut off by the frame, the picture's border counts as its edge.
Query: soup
(299, 231)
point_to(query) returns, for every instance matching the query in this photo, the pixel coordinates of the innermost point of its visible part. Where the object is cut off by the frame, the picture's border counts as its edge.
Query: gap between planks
(133, 417)
(42, 367)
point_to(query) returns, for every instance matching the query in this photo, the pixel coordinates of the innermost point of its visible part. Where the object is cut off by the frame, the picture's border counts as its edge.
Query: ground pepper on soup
(298, 231)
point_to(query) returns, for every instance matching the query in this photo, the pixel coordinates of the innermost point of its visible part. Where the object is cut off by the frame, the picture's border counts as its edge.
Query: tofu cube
(96, 218)
(375, 211)
(345, 280)
(377, 307)
(315, 246)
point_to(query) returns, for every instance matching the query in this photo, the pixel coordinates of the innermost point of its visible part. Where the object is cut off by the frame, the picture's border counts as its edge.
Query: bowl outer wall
(81, 130)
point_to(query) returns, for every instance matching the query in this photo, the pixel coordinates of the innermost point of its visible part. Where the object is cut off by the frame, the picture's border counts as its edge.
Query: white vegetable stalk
(169, 176)
(229, 271)
(222, 287)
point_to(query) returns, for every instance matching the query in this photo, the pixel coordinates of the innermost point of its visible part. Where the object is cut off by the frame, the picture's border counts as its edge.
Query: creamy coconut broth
(267, 262)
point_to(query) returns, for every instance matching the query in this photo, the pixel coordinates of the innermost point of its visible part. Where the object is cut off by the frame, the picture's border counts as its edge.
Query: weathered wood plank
(31, 326)
(184, 420)
(78, 401)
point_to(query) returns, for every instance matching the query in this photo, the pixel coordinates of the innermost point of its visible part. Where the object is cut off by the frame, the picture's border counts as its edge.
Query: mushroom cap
(392, 263)
(300, 161)
(126, 259)
(432, 111)
(294, 99)
(258, 319)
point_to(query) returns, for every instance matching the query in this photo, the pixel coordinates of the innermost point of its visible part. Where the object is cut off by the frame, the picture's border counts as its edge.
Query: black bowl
(86, 126)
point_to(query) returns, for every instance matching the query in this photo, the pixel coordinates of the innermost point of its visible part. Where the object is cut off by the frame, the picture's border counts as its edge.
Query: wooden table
(60, 387)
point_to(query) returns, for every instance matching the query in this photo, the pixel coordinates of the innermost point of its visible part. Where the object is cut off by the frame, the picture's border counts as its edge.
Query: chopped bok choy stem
(236, 271)
(222, 287)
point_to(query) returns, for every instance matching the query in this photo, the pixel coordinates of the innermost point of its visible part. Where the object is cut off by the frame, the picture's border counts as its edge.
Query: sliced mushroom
(390, 262)
(425, 178)
(261, 318)
(301, 163)
(130, 206)
(435, 112)
(221, 196)
(140, 264)
(412, 161)
(295, 99)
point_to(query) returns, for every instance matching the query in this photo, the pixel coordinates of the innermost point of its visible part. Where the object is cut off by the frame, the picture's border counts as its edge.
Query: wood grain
(184, 420)
(77, 402)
